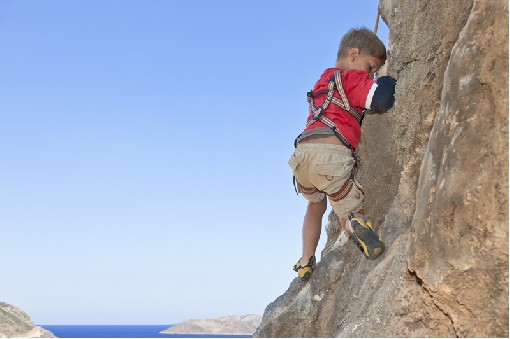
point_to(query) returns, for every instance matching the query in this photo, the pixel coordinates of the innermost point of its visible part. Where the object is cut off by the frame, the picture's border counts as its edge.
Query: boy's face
(367, 63)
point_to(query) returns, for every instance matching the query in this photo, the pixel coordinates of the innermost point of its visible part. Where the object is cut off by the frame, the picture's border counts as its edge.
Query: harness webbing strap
(357, 183)
(353, 112)
(340, 88)
(320, 92)
(306, 190)
(342, 102)
(317, 111)
(347, 105)
(342, 192)
(328, 122)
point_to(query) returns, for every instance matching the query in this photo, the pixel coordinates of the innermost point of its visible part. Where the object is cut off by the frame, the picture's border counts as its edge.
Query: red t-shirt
(359, 89)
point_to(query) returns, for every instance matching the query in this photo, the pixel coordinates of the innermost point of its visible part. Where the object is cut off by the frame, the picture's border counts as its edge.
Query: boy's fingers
(384, 67)
(383, 70)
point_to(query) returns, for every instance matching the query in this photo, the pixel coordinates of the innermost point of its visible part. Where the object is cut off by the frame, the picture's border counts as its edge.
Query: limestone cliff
(14, 323)
(435, 169)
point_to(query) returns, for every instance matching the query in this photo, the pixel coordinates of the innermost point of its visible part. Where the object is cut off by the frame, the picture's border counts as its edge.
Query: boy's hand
(383, 71)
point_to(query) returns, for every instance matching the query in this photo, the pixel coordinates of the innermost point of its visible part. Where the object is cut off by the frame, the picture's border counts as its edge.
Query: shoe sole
(367, 240)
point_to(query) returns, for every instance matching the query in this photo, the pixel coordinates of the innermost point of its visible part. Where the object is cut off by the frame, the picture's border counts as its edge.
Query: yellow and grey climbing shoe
(305, 272)
(367, 240)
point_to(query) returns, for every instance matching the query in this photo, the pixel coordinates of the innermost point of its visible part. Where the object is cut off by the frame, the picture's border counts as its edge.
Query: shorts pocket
(331, 175)
(294, 161)
(333, 169)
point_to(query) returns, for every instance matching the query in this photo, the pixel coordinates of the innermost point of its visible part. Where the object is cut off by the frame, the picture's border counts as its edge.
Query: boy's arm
(363, 92)
(383, 97)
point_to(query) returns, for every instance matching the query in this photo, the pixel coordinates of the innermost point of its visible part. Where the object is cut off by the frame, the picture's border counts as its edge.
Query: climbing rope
(376, 23)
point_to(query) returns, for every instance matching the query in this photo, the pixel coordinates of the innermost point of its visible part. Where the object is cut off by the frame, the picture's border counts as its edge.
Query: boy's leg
(352, 219)
(331, 174)
(317, 203)
(312, 225)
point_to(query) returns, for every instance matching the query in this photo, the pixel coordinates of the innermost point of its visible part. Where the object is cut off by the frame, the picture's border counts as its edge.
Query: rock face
(14, 323)
(224, 325)
(435, 169)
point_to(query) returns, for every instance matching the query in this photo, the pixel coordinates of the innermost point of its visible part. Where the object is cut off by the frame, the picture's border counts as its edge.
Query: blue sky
(144, 149)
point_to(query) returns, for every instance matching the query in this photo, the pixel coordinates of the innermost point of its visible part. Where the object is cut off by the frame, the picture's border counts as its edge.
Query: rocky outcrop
(14, 323)
(435, 169)
(459, 247)
(225, 325)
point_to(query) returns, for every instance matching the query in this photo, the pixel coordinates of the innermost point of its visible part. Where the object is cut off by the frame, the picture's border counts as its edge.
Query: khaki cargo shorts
(324, 169)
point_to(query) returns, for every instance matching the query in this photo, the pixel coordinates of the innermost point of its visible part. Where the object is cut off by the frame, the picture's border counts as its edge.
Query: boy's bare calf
(312, 225)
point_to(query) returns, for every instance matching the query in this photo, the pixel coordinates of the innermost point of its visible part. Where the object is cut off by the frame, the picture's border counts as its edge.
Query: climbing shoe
(305, 272)
(364, 236)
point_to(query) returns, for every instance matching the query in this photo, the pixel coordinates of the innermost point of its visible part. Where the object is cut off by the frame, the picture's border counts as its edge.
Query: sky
(144, 148)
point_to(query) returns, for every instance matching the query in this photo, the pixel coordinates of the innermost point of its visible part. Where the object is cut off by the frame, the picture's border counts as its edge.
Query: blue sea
(122, 331)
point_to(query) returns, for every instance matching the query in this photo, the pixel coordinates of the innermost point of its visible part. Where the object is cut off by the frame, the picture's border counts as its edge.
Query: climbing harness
(334, 84)
(342, 102)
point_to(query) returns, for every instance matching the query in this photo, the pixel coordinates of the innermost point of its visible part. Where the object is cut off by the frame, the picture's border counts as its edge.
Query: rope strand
(376, 23)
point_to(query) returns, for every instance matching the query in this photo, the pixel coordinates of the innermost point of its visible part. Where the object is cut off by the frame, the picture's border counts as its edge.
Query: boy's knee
(317, 207)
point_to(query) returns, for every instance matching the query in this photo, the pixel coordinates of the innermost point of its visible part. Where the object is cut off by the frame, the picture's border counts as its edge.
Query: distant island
(234, 325)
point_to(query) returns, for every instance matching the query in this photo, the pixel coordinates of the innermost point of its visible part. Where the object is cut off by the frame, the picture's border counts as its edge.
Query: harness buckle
(316, 113)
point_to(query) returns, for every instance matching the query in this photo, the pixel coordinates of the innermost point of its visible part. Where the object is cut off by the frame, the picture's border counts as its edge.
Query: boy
(325, 162)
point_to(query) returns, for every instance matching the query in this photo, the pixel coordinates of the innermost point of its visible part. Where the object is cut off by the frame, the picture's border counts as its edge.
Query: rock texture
(14, 323)
(225, 325)
(436, 172)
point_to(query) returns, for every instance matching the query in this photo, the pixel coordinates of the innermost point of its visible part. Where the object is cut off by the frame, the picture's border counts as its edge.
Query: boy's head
(361, 49)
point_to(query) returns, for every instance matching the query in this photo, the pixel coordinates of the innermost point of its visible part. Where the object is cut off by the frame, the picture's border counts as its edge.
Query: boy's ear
(353, 53)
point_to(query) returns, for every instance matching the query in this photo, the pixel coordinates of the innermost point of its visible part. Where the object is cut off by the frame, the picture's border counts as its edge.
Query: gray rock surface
(14, 323)
(225, 325)
(435, 169)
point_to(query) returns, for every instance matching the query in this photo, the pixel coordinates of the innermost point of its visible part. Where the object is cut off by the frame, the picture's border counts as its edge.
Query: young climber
(325, 161)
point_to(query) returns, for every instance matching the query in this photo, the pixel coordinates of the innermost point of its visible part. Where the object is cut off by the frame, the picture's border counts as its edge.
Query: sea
(123, 331)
